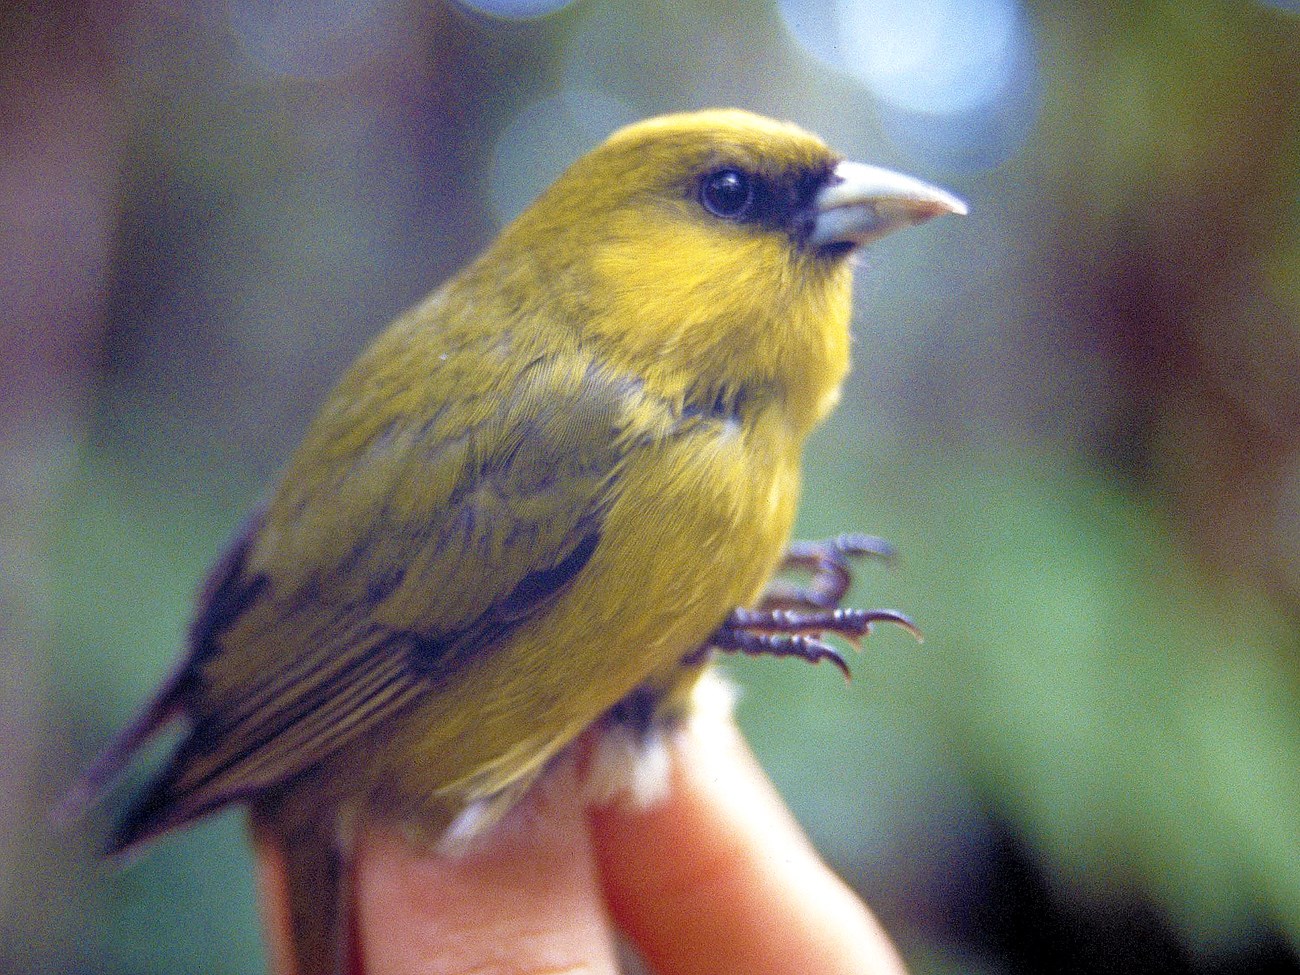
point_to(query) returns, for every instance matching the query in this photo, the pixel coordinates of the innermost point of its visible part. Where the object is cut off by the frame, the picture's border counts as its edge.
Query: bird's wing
(436, 551)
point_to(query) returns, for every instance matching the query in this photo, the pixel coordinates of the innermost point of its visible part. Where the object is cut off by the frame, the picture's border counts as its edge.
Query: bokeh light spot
(953, 77)
(939, 56)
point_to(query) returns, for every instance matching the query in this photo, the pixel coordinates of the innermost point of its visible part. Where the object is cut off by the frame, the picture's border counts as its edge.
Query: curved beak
(862, 203)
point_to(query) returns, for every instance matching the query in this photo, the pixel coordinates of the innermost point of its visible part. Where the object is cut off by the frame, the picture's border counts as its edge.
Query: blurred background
(1076, 412)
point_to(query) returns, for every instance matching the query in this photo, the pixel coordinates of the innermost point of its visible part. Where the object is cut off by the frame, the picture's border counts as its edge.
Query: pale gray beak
(864, 203)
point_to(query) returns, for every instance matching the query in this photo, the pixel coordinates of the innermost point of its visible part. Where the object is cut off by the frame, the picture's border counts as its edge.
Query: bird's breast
(696, 525)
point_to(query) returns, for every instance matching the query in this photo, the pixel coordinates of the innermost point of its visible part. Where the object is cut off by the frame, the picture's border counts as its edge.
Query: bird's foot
(832, 572)
(793, 620)
(793, 633)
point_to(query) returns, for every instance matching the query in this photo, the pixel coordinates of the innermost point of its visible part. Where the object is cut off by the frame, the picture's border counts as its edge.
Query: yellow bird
(534, 504)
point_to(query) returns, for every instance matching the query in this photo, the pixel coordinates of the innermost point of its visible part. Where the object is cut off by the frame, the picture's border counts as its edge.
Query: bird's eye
(727, 193)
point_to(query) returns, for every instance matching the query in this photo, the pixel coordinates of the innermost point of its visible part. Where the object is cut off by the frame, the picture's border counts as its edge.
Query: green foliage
(1134, 714)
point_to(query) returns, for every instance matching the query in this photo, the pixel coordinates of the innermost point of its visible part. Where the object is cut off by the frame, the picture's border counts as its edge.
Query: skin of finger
(525, 899)
(719, 878)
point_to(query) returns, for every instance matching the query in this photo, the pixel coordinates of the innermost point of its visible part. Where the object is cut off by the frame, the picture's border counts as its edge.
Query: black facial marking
(723, 404)
(777, 200)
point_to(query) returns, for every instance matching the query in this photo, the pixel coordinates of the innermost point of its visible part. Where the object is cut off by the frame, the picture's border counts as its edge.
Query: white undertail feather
(625, 765)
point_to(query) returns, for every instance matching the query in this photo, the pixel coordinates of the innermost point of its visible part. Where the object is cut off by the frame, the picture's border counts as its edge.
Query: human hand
(718, 878)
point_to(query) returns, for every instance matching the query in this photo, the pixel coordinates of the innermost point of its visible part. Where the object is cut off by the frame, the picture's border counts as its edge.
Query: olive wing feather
(449, 549)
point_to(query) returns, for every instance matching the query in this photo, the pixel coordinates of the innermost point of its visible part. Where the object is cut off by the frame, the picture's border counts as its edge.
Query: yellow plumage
(536, 493)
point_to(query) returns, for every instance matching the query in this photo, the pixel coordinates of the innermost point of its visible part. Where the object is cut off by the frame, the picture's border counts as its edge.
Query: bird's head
(713, 242)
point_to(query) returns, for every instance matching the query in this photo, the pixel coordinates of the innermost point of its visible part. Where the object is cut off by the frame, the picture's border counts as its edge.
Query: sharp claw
(817, 651)
(805, 648)
(898, 619)
(753, 643)
(851, 624)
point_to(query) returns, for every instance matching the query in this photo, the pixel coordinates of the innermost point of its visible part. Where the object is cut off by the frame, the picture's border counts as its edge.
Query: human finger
(525, 898)
(719, 878)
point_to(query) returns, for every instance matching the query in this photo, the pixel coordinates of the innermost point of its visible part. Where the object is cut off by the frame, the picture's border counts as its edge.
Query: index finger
(523, 898)
(719, 878)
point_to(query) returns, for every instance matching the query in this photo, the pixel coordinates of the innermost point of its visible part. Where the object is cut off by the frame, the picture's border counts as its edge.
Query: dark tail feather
(225, 594)
(94, 781)
(321, 883)
(155, 811)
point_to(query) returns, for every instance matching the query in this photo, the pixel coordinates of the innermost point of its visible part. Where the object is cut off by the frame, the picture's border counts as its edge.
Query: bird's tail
(164, 706)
